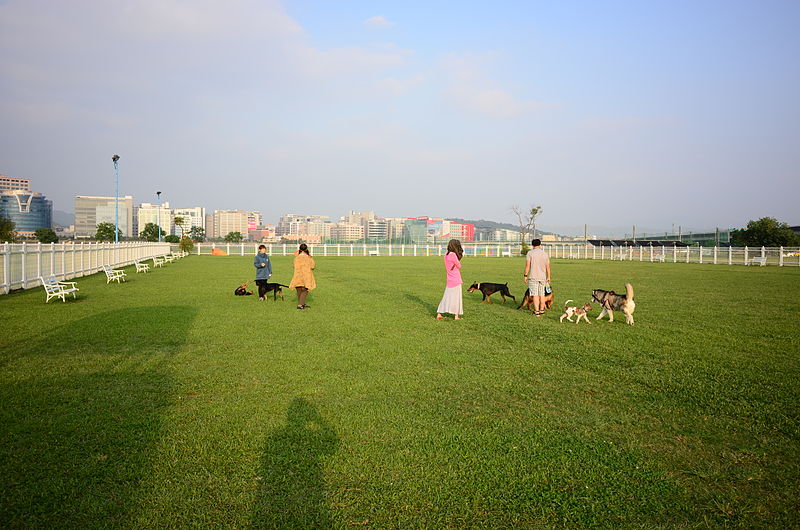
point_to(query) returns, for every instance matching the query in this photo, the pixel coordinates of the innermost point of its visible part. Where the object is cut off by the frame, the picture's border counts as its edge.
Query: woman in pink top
(452, 300)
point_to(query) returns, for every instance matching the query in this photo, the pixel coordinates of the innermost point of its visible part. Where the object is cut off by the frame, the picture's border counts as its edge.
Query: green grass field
(168, 402)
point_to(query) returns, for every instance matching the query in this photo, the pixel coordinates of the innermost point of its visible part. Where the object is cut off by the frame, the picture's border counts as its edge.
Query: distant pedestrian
(303, 279)
(537, 275)
(452, 301)
(263, 271)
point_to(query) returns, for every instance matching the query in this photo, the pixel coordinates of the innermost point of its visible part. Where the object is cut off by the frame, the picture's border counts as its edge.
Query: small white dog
(581, 312)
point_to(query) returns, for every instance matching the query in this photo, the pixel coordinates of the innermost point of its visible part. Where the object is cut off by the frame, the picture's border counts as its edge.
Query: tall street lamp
(115, 159)
(158, 215)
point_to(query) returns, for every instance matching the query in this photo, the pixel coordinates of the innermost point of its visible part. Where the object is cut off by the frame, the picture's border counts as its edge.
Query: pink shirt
(453, 274)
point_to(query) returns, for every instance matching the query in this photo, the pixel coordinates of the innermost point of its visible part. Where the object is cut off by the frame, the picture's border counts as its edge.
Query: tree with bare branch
(527, 220)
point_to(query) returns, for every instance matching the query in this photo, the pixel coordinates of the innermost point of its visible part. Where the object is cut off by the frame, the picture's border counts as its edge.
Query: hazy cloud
(378, 22)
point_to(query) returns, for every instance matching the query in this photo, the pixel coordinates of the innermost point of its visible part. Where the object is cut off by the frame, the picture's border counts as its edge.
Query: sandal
(439, 317)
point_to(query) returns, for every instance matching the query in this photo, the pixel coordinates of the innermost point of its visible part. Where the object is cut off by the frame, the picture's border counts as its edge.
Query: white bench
(660, 257)
(142, 267)
(56, 289)
(158, 262)
(113, 274)
(761, 260)
(169, 258)
(372, 253)
(574, 256)
(505, 254)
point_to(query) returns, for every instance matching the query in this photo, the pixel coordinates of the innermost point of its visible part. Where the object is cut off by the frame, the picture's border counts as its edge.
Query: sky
(606, 113)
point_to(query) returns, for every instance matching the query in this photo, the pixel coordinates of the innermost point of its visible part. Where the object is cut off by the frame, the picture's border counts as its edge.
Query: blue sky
(606, 113)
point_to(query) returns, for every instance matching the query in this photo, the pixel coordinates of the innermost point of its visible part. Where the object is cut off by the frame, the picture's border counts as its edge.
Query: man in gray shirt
(537, 275)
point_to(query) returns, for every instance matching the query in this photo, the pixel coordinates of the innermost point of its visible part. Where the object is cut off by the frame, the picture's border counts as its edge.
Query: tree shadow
(82, 413)
(291, 492)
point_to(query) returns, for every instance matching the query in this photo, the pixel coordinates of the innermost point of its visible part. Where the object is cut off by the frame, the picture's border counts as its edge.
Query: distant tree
(150, 232)
(766, 232)
(172, 238)
(46, 235)
(105, 232)
(197, 233)
(527, 221)
(234, 237)
(179, 222)
(186, 244)
(7, 227)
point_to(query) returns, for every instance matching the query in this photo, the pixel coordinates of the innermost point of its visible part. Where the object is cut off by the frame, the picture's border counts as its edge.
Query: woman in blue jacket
(263, 271)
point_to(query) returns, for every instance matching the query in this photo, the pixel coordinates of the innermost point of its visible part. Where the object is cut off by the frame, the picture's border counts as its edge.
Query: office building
(28, 210)
(91, 211)
(377, 230)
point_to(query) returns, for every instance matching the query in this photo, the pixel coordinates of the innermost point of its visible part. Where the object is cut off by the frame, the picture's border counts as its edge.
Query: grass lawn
(166, 401)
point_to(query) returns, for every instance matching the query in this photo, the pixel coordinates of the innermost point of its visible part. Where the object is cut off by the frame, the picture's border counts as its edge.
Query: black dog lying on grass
(488, 289)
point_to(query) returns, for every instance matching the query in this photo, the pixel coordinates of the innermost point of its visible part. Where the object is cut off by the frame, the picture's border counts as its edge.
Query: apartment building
(192, 217)
(344, 231)
(227, 221)
(14, 184)
(158, 214)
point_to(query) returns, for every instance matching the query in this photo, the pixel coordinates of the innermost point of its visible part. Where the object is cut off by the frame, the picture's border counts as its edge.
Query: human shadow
(429, 306)
(291, 492)
(82, 414)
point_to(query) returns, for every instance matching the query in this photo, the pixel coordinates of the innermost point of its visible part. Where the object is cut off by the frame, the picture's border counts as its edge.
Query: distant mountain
(63, 218)
(492, 225)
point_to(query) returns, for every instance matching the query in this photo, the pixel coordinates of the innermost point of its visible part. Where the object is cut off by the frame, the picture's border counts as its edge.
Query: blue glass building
(28, 210)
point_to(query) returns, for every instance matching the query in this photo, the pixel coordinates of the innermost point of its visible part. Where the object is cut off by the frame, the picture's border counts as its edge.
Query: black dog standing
(488, 289)
(263, 271)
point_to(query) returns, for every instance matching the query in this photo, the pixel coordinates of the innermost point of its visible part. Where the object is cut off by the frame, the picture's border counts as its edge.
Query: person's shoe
(306, 306)
(300, 307)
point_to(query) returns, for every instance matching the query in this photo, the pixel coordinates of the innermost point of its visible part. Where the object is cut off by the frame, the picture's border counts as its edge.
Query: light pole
(115, 159)
(158, 214)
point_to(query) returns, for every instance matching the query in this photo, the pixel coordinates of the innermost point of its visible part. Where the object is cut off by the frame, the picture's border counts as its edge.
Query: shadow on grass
(429, 306)
(292, 488)
(82, 412)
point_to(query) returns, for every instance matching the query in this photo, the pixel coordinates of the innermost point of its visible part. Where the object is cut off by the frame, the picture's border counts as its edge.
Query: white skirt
(452, 301)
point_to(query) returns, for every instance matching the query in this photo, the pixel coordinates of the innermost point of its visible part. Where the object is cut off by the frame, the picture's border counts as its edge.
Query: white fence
(714, 255)
(22, 264)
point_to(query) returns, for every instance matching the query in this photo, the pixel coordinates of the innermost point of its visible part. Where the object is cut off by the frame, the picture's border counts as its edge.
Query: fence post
(780, 259)
(764, 255)
(745, 254)
(701, 254)
(730, 255)
(6, 286)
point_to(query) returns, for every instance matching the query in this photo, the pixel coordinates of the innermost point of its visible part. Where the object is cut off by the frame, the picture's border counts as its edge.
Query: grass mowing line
(168, 401)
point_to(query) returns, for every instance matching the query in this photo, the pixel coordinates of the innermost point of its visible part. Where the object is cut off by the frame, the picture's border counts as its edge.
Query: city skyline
(672, 114)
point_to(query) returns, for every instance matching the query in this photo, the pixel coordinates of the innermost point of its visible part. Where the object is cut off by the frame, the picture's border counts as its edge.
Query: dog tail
(567, 303)
(629, 291)
(283, 285)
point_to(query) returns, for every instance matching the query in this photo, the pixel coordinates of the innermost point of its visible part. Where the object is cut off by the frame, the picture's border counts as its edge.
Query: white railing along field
(21, 264)
(779, 256)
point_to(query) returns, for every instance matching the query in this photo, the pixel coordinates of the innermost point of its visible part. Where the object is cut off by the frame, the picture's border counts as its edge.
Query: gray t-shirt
(539, 261)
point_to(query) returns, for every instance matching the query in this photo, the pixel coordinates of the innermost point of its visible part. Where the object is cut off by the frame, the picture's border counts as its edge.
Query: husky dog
(611, 301)
(579, 311)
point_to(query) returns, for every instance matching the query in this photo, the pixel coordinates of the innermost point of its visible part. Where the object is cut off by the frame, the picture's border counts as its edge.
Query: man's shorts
(537, 287)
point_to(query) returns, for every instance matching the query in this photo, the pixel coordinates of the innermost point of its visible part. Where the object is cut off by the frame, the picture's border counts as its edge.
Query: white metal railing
(21, 264)
(779, 256)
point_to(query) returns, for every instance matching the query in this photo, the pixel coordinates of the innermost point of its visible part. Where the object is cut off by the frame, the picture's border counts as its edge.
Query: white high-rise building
(192, 217)
(160, 215)
(227, 221)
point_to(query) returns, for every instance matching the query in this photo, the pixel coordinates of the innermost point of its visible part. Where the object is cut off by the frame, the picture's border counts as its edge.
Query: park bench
(574, 255)
(158, 262)
(505, 254)
(141, 267)
(169, 258)
(761, 260)
(113, 274)
(372, 253)
(54, 288)
(660, 257)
